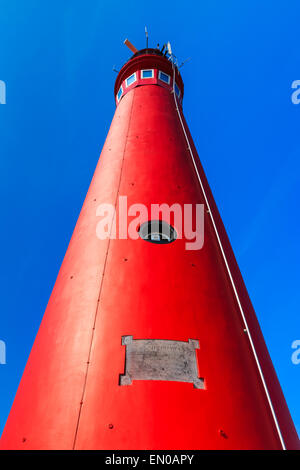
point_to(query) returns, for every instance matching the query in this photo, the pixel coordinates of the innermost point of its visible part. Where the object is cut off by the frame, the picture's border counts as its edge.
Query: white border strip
(120, 89)
(134, 79)
(160, 73)
(147, 70)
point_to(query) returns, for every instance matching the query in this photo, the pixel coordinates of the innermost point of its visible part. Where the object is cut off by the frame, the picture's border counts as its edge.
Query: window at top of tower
(119, 94)
(131, 79)
(164, 77)
(177, 91)
(157, 231)
(147, 73)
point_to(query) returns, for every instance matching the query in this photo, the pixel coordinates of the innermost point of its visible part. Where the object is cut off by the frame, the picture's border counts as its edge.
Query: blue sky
(56, 59)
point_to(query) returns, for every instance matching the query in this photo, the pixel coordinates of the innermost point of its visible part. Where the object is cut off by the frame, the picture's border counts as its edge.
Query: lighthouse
(149, 339)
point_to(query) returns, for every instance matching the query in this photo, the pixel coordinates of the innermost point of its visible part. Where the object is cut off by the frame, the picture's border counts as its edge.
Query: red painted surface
(69, 395)
(146, 62)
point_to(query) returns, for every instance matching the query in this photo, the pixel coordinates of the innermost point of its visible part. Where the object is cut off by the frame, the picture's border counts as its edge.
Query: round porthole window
(157, 231)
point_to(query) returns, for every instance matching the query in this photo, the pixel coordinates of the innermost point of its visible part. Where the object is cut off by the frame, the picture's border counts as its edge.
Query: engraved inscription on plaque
(159, 359)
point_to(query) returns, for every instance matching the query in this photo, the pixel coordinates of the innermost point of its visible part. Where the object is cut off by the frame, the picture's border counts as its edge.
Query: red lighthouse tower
(146, 344)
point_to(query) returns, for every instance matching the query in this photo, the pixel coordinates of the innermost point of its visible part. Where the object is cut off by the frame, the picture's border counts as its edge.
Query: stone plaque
(159, 359)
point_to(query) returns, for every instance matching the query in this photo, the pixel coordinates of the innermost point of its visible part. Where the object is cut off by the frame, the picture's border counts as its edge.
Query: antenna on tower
(172, 57)
(146, 33)
(182, 63)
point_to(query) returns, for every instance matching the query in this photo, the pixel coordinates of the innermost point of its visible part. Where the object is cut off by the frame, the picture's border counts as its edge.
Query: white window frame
(147, 70)
(120, 89)
(179, 92)
(159, 75)
(133, 74)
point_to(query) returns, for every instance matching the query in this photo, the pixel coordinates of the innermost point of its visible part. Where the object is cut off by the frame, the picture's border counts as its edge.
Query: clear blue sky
(56, 59)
